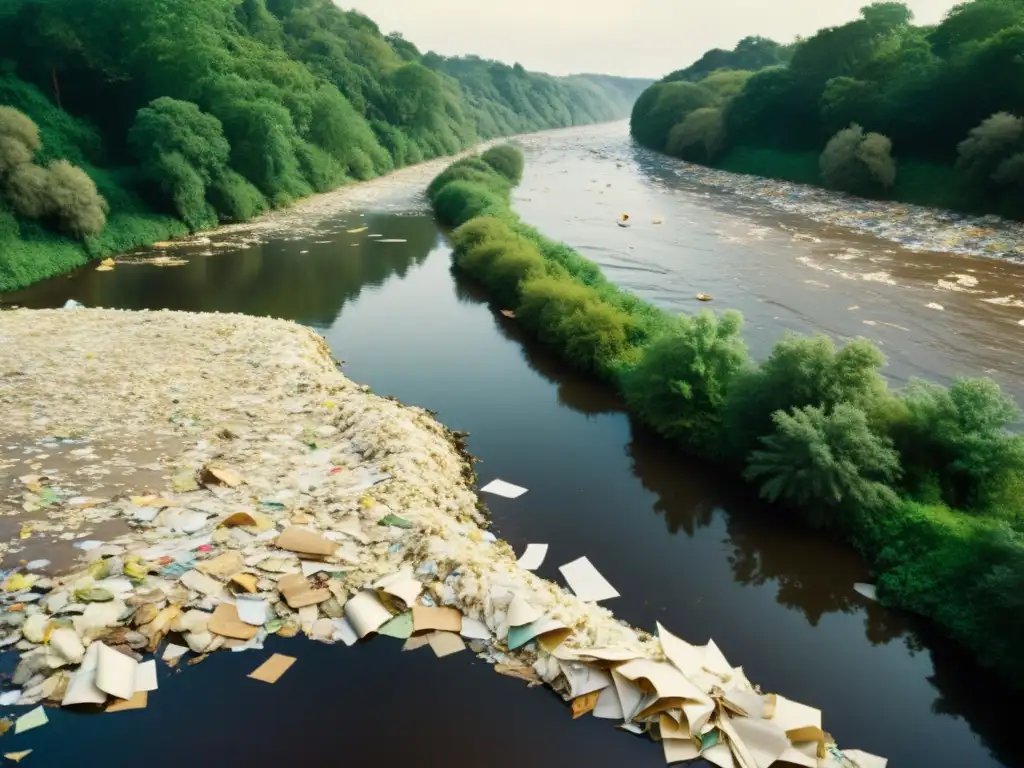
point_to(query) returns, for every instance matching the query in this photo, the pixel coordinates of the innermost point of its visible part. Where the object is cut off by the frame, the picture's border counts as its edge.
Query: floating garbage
(305, 543)
(703, 297)
(866, 590)
(623, 220)
(72, 304)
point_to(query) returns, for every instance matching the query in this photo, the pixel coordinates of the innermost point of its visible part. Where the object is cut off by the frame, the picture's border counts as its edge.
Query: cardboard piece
(586, 582)
(145, 676)
(298, 592)
(223, 566)
(200, 582)
(82, 686)
(252, 612)
(215, 475)
(521, 613)
(501, 488)
(474, 629)
(366, 612)
(309, 567)
(225, 621)
(533, 557)
(443, 619)
(549, 632)
(272, 669)
(305, 542)
(446, 643)
(32, 719)
(138, 701)
(115, 672)
(417, 641)
(680, 750)
(246, 581)
(399, 626)
(581, 705)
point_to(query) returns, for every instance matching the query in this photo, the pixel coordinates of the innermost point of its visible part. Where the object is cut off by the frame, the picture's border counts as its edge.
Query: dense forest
(926, 481)
(125, 122)
(877, 107)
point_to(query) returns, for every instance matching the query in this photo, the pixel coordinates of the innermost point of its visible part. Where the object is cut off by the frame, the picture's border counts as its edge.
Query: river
(683, 545)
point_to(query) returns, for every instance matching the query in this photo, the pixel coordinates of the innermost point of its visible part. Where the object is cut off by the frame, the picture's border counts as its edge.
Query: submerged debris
(375, 529)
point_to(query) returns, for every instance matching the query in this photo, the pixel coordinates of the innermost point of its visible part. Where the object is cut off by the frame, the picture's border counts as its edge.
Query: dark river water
(682, 545)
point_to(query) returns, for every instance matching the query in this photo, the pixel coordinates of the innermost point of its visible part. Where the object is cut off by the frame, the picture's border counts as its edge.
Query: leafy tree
(886, 16)
(680, 386)
(984, 156)
(857, 162)
(19, 140)
(75, 201)
(822, 460)
(506, 160)
(663, 106)
(700, 137)
(974, 21)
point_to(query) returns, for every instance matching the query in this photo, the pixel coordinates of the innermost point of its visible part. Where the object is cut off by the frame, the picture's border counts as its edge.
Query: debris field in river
(297, 501)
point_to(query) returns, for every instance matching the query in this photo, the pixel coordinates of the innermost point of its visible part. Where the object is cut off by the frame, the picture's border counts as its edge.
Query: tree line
(926, 481)
(878, 107)
(169, 116)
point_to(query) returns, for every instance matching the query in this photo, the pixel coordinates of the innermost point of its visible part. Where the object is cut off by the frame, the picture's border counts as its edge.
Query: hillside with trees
(124, 123)
(878, 107)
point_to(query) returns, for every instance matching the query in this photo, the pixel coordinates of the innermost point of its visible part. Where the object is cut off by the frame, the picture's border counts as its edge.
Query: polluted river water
(681, 544)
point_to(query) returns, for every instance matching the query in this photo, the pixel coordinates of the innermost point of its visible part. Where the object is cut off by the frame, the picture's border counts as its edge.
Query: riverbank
(228, 430)
(685, 387)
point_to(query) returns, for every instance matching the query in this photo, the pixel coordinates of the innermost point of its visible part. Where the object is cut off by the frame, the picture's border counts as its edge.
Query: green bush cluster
(260, 103)
(945, 97)
(927, 482)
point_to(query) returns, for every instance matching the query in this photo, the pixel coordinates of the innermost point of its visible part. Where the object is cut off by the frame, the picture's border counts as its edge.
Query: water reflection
(306, 280)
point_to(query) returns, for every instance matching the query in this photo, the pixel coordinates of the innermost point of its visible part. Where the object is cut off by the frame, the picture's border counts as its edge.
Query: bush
(680, 385)
(984, 154)
(663, 106)
(19, 140)
(75, 202)
(857, 162)
(824, 460)
(700, 137)
(459, 201)
(468, 169)
(507, 160)
(28, 191)
(235, 198)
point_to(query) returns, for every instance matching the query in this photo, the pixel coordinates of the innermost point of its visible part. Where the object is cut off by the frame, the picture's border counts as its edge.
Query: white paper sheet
(583, 678)
(366, 612)
(586, 582)
(474, 629)
(115, 672)
(762, 740)
(679, 750)
(309, 567)
(10, 698)
(252, 611)
(866, 590)
(402, 585)
(501, 488)
(343, 631)
(145, 676)
(533, 557)
(864, 759)
(608, 705)
(630, 696)
(200, 582)
(668, 682)
(82, 686)
(521, 612)
(172, 652)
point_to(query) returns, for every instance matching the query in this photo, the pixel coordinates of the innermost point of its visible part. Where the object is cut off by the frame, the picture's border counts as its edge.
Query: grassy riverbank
(926, 482)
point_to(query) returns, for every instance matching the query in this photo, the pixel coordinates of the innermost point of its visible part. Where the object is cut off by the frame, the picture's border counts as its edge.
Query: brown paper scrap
(305, 542)
(298, 592)
(138, 701)
(583, 704)
(272, 669)
(222, 566)
(238, 518)
(225, 622)
(523, 673)
(446, 643)
(246, 581)
(444, 619)
(214, 475)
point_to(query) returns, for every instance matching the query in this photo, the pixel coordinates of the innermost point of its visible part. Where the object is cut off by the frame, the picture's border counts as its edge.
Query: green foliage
(751, 53)
(76, 204)
(823, 461)
(506, 160)
(991, 152)
(663, 106)
(699, 137)
(680, 385)
(857, 162)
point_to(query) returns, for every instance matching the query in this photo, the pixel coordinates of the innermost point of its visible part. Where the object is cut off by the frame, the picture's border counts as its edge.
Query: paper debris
(35, 565)
(446, 643)
(527, 674)
(416, 641)
(357, 230)
(299, 593)
(225, 622)
(444, 619)
(550, 633)
(608, 706)
(474, 629)
(223, 566)
(864, 759)
(309, 567)
(145, 676)
(31, 719)
(272, 669)
(246, 581)
(17, 757)
(866, 590)
(305, 542)
(8, 698)
(82, 686)
(399, 626)
(586, 582)
(138, 701)
(520, 613)
(343, 631)
(172, 652)
(200, 582)
(238, 518)
(115, 672)
(584, 679)
(679, 750)
(533, 557)
(402, 585)
(501, 488)
(214, 475)
(585, 703)
(366, 612)
(252, 611)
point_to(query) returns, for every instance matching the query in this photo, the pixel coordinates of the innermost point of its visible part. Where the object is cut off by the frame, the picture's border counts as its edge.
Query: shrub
(75, 202)
(460, 201)
(700, 137)
(857, 162)
(680, 385)
(984, 154)
(823, 460)
(507, 160)
(28, 191)
(234, 197)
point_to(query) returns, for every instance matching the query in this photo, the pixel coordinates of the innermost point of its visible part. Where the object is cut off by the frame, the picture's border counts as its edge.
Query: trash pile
(303, 503)
(914, 227)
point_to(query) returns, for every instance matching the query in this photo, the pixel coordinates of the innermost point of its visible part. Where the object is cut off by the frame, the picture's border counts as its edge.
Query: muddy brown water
(684, 545)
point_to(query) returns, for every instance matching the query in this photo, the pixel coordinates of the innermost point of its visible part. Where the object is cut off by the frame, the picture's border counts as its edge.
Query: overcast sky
(646, 38)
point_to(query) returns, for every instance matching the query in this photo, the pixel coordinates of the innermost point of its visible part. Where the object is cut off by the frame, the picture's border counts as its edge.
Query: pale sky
(642, 38)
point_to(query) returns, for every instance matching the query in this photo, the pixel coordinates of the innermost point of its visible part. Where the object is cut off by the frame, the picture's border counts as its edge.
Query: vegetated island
(126, 123)
(288, 499)
(927, 482)
(878, 107)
